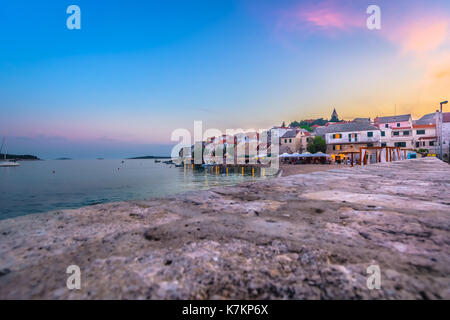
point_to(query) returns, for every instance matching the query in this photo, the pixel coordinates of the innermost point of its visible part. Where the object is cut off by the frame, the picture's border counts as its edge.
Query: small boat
(7, 163)
(157, 161)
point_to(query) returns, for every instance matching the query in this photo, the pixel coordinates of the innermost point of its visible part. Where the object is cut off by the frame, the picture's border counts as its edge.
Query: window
(417, 144)
(352, 137)
(337, 147)
(396, 133)
(398, 125)
(431, 143)
(370, 145)
(370, 134)
(386, 125)
(290, 140)
(383, 144)
(400, 144)
(383, 133)
(420, 131)
(406, 133)
(337, 136)
(285, 140)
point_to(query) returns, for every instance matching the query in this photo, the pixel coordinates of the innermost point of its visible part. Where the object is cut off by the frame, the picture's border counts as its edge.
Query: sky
(138, 70)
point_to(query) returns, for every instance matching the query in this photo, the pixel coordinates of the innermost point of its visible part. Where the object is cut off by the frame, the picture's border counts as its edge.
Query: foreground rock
(307, 236)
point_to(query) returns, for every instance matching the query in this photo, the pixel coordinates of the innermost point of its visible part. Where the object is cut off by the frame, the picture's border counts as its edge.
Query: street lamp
(441, 122)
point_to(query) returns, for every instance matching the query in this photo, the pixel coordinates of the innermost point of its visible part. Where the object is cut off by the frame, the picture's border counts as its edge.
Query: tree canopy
(296, 124)
(318, 144)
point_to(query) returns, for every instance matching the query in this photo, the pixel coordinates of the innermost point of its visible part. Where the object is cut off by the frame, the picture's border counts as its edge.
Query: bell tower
(334, 116)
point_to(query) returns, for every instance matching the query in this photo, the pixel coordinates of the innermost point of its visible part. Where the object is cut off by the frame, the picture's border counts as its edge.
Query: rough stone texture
(306, 236)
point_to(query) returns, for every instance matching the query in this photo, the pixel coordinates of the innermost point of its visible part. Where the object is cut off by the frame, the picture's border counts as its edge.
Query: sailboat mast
(1, 148)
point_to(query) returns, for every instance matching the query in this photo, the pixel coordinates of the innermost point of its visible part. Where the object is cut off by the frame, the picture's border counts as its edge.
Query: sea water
(42, 186)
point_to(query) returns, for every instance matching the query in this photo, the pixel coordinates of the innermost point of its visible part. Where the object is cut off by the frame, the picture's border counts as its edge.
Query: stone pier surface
(309, 236)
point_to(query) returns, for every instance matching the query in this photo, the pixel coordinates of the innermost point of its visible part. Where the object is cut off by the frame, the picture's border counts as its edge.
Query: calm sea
(42, 186)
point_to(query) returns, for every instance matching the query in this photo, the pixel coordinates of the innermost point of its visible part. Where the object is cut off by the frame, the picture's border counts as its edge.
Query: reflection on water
(42, 186)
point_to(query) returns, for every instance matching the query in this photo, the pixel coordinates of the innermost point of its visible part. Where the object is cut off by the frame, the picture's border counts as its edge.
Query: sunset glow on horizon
(137, 70)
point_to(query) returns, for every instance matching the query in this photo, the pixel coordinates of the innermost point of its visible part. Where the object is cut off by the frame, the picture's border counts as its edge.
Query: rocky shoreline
(309, 236)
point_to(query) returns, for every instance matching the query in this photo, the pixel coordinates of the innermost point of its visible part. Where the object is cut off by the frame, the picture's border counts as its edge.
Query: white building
(396, 131)
(351, 136)
(433, 119)
(425, 137)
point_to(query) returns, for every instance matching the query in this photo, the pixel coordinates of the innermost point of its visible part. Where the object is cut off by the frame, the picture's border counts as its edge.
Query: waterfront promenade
(309, 236)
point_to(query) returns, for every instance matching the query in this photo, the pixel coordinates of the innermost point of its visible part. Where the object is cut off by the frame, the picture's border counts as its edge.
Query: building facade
(396, 131)
(425, 137)
(288, 143)
(446, 136)
(304, 137)
(433, 119)
(351, 136)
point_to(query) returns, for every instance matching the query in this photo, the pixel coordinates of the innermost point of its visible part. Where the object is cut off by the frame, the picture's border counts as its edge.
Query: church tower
(334, 116)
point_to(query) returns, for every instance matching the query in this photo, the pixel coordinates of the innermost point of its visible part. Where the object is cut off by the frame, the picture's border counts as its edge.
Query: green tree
(295, 124)
(318, 144)
(306, 127)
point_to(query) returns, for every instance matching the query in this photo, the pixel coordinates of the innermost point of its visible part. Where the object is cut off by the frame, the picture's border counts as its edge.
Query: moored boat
(5, 162)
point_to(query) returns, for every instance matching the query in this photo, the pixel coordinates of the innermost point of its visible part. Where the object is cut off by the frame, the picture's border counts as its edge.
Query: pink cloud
(418, 30)
(322, 16)
(419, 35)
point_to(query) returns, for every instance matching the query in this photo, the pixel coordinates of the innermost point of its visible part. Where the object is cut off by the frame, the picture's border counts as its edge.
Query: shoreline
(283, 171)
(302, 236)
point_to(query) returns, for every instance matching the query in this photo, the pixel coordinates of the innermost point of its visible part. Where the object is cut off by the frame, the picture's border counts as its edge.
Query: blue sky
(137, 70)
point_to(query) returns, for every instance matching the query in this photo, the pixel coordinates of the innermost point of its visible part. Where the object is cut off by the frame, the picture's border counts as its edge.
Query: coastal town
(224, 159)
(318, 141)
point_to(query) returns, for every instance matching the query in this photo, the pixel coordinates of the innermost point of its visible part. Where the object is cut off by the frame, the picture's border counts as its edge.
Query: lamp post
(440, 123)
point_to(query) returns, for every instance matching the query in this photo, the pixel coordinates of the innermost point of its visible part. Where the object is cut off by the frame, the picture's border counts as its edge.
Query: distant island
(19, 157)
(64, 159)
(148, 157)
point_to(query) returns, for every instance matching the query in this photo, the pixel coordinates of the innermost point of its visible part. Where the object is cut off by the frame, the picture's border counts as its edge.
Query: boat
(157, 161)
(5, 162)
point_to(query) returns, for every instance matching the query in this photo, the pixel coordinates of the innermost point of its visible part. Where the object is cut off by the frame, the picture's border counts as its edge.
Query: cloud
(419, 36)
(436, 80)
(418, 29)
(325, 16)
